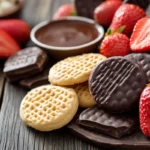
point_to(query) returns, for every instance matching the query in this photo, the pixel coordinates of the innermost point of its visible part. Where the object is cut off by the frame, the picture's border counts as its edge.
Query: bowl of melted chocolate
(68, 37)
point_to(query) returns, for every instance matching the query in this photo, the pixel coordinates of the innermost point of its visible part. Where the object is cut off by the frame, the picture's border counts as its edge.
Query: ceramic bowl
(63, 52)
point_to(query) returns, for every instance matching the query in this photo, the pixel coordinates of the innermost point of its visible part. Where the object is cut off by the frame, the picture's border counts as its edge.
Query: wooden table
(14, 135)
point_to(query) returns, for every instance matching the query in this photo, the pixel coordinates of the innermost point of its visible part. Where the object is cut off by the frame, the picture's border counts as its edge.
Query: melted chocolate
(66, 33)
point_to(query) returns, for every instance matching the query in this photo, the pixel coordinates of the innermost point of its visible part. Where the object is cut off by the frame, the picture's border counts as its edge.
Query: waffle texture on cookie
(49, 107)
(74, 70)
(116, 84)
(85, 98)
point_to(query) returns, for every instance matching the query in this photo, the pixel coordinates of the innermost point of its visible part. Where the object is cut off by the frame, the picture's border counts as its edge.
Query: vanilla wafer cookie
(49, 107)
(85, 98)
(74, 70)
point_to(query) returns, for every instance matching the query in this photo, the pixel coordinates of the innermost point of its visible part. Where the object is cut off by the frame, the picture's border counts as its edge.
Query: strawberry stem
(109, 32)
(74, 13)
(121, 29)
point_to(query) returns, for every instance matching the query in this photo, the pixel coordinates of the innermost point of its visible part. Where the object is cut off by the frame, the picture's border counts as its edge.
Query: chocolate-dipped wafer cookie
(143, 60)
(116, 84)
(115, 125)
(25, 63)
(86, 8)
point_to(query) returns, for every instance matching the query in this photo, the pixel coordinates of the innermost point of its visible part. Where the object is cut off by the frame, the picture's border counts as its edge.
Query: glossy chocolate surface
(116, 84)
(67, 33)
(115, 125)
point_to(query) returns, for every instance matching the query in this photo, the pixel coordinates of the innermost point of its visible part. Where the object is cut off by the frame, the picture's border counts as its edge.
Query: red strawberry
(8, 46)
(104, 13)
(64, 11)
(116, 44)
(145, 111)
(17, 28)
(127, 15)
(140, 37)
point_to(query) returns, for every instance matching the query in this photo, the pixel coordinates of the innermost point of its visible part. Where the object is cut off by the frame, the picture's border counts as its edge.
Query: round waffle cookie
(116, 84)
(49, 107)
(84, 96)
(74, 70)
(143, 60)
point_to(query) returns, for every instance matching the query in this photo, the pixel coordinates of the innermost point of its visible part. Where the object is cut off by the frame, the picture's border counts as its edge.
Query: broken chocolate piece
(25, 63)
(37, 80)
(115, 125)
(135, 141)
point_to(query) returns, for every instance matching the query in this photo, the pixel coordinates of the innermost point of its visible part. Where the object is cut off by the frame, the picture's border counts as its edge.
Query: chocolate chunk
(25, 63)
(143, 60)
(116, 84)
(37, 80)
(86, 8)
(115, 125)
(136, 141)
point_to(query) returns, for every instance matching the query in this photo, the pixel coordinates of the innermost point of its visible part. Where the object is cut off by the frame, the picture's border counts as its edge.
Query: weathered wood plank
(14, 135)
(2, 80)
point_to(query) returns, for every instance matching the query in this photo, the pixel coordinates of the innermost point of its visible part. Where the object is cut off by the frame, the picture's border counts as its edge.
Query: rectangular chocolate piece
(25, 63)
(37, 80)
(115, 125)
(135, 141)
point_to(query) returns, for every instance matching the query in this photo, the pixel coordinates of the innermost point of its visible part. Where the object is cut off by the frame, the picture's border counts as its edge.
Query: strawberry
(115, 44)
(17, 28)
(127, 15)
(145, 111)
(140, 37)
(103, 14)
(8, 46)
(64, 11)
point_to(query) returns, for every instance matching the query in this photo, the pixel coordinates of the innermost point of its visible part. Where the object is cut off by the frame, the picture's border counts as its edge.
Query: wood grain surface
(14, 135)
(2, 81)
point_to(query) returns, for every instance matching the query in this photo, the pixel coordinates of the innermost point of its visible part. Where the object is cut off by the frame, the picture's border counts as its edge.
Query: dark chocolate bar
(116, 84)
(135, 141)
(86, 8)
(37, 80)
(115, 125)
(143, 60)
(25, 63)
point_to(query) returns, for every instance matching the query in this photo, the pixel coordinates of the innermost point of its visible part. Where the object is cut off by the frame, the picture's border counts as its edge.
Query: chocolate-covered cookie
(143, 60)
(116, 84)
(25, 63)
(115, 125)
(86, 8)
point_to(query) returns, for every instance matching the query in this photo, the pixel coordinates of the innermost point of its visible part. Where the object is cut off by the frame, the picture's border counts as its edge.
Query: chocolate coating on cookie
(116, 84)
(143, 60)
